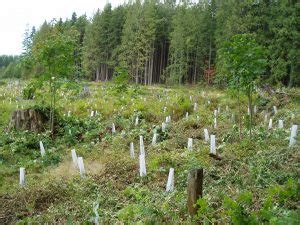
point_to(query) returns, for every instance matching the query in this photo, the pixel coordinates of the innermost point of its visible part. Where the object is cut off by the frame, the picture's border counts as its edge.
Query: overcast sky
(15, 15)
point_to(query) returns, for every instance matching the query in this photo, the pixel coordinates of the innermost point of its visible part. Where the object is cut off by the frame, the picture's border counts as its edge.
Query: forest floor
(256, 181)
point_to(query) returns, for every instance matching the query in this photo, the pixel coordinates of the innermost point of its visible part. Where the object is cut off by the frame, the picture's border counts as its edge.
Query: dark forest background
(157, 41)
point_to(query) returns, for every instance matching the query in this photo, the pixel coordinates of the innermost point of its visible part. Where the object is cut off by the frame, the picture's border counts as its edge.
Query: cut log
(27, 119)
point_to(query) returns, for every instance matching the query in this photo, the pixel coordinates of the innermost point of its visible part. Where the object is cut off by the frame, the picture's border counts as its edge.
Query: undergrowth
(255, 182)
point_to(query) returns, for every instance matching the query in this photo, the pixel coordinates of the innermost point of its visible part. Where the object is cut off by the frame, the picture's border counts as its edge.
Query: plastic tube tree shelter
(22, 177)
(132, 150)
(190, 144)
(293, 135)
(143, 171)
(170, 182)
(43, 152)
(81, 167)
(74, 157)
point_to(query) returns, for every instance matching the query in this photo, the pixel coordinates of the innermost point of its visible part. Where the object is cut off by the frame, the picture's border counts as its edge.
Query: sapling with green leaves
(242, 60)
(55, 54)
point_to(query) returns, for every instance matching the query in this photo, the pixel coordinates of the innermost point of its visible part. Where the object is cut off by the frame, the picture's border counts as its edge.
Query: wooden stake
(194, 190)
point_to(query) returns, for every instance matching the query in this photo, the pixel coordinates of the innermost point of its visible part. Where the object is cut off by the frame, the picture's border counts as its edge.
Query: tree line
(172, 42)
(9, 66)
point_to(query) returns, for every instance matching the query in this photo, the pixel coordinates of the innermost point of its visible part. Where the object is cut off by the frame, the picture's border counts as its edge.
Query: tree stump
(27, 119)
(194, 190)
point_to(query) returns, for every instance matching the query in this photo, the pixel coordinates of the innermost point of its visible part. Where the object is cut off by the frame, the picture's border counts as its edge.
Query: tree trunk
(146, 71)
(53, 109)
(209, 56)
(240, 123)
(51, 104)
(195, 70)
(97, 73)
(161, 60)
(151, 68)
(250, 108)
(106, 72)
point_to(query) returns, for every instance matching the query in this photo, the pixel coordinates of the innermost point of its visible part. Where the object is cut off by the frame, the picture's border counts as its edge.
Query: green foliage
(164, 42)
(2, 83)
(190, 42)
(51, 159)
(30, 89)
(239, 210)
(55, 53)
(255, 182)
(121, 79)
(9, 66)
(243, 61)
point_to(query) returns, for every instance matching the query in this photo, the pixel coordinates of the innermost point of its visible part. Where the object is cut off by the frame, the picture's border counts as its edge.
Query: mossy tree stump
(27, 119)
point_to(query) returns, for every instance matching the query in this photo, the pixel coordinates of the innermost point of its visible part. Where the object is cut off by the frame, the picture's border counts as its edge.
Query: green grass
(257, 181)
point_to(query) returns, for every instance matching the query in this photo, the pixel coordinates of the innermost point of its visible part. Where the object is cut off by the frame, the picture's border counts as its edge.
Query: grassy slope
(256, 181)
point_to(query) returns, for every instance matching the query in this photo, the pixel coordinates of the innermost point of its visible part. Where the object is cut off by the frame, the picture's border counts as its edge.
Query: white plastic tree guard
(113, 128)
(213, 144)
(190, 144)
(293, 135)
(154, 139)
(74, 157)
(142, 147)
(170, 182)
(81, 167)
(142, 160)
(132, 150)
(206, 135)
(163, 127)
(280, 124)
(270, 126)
(43, 152)
(22, 176)
(195, 106)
